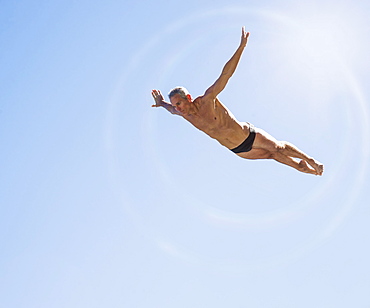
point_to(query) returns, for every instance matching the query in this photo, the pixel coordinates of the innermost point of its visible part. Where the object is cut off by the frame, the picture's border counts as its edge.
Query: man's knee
(280, 146)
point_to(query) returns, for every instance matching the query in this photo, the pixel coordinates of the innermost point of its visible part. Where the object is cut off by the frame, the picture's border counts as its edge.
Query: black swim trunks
(247, 144)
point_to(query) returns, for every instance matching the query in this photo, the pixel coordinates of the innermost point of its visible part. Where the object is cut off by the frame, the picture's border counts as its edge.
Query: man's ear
(189, 98)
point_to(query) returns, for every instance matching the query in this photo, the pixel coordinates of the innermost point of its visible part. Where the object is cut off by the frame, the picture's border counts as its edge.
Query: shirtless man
(209, 115)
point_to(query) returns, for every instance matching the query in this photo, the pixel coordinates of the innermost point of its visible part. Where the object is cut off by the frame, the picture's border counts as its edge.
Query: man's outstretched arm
(229, 68)
(159, 102)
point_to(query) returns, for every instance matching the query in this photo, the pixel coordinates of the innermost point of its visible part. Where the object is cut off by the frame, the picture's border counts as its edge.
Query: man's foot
(319, 167)
(305, 168)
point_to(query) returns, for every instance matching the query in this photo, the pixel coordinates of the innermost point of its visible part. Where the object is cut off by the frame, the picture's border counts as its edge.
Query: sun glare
(319, 45)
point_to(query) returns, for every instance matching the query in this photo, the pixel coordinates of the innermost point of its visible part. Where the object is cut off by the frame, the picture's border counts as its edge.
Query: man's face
(182, 105)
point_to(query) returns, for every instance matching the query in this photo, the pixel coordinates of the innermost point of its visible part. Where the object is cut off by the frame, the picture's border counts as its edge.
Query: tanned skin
(209, 115)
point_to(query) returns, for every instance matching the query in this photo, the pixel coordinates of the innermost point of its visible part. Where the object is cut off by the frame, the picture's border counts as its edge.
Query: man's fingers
(157, 97)
(156, 93)
(245, 34)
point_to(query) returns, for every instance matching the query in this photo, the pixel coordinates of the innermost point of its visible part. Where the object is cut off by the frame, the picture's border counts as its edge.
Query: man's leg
(267, 147)
(289, 149)
(287, 160)
(279, 157)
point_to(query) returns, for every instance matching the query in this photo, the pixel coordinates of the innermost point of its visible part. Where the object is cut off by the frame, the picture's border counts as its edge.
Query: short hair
(179, 90)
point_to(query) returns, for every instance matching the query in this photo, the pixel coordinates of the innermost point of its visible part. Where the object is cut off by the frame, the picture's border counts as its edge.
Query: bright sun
(319, 44)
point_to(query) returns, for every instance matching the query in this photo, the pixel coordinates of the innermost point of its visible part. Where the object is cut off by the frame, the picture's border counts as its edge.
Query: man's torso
(214, 119)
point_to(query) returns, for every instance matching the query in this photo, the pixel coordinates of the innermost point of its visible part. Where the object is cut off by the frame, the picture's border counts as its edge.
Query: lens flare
(314, 52)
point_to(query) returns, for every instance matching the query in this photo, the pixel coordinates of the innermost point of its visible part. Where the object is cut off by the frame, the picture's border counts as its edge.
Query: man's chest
(208, 119)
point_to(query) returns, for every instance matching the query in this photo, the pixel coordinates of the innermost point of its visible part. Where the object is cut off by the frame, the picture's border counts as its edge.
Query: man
(209, 115)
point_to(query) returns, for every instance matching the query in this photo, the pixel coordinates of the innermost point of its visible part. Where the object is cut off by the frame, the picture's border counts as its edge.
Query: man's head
(178, 90)
(180, 99)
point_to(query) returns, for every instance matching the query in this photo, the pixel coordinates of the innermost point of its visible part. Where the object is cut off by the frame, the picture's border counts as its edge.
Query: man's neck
(194, 110)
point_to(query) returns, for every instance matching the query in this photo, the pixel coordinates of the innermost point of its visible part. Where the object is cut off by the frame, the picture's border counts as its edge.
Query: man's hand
(159, 102)
(158, 98)
(245, 36)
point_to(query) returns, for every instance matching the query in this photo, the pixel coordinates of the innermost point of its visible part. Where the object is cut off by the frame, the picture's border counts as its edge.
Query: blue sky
(106, 202)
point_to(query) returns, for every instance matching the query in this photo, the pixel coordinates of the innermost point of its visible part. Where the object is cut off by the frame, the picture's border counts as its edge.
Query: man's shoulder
(198, 101)
(204, 99)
